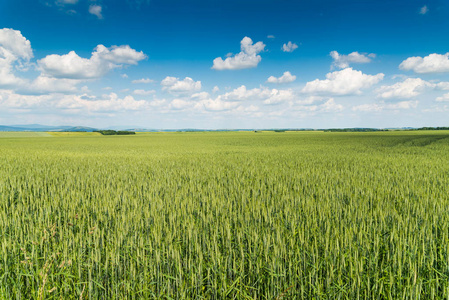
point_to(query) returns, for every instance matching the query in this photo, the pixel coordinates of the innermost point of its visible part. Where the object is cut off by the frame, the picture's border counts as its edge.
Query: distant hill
(10, 128)
(80, 128)
(38, 127)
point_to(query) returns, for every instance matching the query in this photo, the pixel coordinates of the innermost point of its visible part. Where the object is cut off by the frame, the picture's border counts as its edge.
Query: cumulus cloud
(62, 2)
(95, 9)
(13, 45)
(204, 101)
(15, 50)
(143, 80)
(377, 107)
(344, 82)
(177, 86)
(44, 85)
(218, 105)
(231, 101)
(409, 88)
(101, 62)
(424, 10)
(247, 58)
(143, 92)
(278, 96)
(443, 85)
(285, 78)
(444, 98)
(157, 102)
(326, 105)
(289, 47)
(342, 61)
(179, 104)
(331, 106)
(9, 99)
(103, 104)
(309, 100)
(433, 63)
(268, 96)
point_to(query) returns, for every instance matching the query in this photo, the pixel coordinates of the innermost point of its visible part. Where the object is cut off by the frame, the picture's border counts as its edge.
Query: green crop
(231, 215)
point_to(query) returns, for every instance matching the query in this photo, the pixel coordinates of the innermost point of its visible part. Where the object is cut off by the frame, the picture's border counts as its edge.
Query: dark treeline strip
(113, 132)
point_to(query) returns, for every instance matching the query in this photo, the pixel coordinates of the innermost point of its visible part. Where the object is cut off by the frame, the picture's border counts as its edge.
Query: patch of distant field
(74, 134)
(144, 132)
(14, 134)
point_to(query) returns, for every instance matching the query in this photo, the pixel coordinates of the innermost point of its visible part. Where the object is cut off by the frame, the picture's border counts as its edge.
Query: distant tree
(113, 132)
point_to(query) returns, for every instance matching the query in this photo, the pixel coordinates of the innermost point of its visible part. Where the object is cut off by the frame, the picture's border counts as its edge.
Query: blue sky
(224, 64)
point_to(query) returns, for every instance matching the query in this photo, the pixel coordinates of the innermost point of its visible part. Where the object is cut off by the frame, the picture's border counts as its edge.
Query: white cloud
(409, 88)
(203, 101)
(179, 104)
(106, 103)
(215, 89)
(144, 92)
(270, 36)
(326, 106)
(157, 102)
(268, 96)
(289, 47)
(437, 108)
(424, 10)
(44, 85)
(103, 104)
(9, 99)
(143, 80)
(247, 58)
(331, 106)
(443, 85)
(96, 10)
(433, 63)
(444, 98)
(174, 85)
(120, 54)
(124, 76)
(72, 66)
(342, 61)
(344, 82)
(242, 93)
(285, 78)
(101, 62)
(377, 107)
(216, 105)
(13, 45)
(14, 49)
(200, 96)
(62, 2)
(278, 96)
(368, 107)
(309, 100)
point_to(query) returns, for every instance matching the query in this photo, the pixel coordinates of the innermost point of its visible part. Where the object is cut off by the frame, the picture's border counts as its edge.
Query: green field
(73, 134)
(226, 215)
(23, 134)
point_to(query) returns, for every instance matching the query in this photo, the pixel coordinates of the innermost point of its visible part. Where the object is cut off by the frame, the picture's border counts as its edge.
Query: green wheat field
(225, 215)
